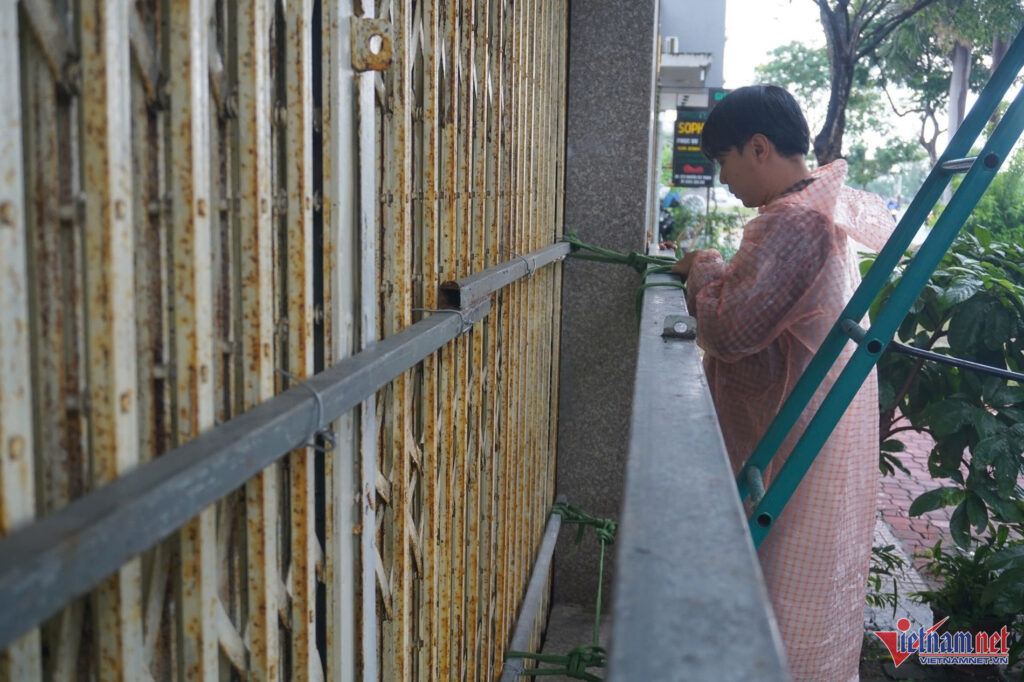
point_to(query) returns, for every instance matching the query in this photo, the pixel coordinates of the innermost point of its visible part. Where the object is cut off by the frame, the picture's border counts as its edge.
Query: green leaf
(1005, 396)
(964, 325)
(1007, 468)
(1007, 510)
(997, 328)
(894, 445)
(936, 499)
(1005, 594)
(960, 289)
(959, 526)
(1006, 557)
(985, 423)
(988, 449)
(983, 235)
(947, 416)
(977, 512)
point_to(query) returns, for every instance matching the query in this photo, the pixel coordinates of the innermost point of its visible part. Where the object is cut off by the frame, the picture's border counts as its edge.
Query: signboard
(690, 168)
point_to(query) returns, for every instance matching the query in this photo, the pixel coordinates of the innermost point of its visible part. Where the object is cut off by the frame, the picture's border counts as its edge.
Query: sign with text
(690, 168)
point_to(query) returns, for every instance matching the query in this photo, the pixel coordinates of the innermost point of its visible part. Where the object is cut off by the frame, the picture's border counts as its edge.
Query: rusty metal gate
(205, 203)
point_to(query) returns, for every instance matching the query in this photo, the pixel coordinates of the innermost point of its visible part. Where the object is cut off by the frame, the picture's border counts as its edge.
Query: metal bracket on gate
(371, 44)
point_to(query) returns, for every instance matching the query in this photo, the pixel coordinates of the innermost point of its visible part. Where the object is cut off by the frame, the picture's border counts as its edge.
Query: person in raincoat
(760, 319)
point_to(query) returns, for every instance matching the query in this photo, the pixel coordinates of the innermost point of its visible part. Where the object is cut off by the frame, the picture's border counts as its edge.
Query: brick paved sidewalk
(897, 492)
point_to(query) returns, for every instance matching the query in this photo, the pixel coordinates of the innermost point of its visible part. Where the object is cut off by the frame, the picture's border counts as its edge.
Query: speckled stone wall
(608, 140)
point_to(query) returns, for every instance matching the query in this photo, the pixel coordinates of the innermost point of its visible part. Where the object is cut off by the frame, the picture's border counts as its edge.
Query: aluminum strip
(256, 235)
(431, 436)
(368, 297)
(107, 179)
(192, 322)
(341, 283)
(470, 289)
(512, 668)
(22, 660)
(298, 77)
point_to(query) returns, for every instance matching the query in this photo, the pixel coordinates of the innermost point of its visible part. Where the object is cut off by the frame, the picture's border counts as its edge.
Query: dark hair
(744, 112)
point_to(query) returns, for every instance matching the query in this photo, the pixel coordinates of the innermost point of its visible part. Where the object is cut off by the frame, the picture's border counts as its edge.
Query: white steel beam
(20, 661)
(109, 300)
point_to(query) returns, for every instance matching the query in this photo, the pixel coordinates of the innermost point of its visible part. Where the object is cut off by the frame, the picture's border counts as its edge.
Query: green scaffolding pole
(871, 342)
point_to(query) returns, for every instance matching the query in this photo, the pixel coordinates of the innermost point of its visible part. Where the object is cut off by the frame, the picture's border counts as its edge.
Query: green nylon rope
(642, 263)
(634, 259)
(576, 662)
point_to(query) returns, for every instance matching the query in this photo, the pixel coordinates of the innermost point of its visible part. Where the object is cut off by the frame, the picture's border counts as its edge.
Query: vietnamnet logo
(933, 648)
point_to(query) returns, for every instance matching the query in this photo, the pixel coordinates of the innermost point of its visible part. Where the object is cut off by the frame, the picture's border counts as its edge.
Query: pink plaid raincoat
(759, 320)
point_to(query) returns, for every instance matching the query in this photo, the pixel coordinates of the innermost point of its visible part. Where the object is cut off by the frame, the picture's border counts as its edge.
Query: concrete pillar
(609, 127)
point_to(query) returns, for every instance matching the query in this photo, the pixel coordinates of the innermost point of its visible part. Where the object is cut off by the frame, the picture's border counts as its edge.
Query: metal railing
(688, 586)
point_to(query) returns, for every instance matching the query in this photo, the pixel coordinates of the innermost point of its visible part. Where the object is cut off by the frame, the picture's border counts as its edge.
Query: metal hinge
(371, 44)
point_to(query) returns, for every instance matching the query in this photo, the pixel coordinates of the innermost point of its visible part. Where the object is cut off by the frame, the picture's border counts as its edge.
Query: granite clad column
(609, 128)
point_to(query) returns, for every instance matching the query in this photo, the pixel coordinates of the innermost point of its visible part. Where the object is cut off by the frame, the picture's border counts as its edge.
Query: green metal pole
(924, 201)
(915, 276)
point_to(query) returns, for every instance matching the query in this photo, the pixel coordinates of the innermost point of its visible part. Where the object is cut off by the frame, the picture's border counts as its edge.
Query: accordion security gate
(202, 203)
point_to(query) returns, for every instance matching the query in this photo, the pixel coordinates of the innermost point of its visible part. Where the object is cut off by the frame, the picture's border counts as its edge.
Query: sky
(753, 28)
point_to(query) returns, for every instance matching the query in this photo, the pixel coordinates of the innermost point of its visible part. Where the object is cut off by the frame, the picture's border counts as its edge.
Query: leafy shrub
(971, 308)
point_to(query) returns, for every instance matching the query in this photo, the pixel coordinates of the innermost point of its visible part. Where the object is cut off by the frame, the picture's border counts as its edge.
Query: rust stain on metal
(16, 448)
(372, 44)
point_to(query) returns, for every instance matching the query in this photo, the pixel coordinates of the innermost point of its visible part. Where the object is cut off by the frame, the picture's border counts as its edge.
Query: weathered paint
(396, 163)
(369, 290)
(110, 324)
(22, 660)
(221, 204)
(298, 77)
(341, 287)
(192, 323)
(256, 234)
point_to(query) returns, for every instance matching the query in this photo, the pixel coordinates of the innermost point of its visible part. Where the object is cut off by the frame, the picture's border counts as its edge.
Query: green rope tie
(642, 263)
(634, 259)
(575, 664)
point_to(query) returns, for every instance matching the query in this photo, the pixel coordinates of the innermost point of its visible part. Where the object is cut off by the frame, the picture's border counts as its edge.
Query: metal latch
(371, 44)
(679, 327)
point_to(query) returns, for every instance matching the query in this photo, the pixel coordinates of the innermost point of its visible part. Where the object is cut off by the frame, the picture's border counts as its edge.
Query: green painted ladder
(871, 342)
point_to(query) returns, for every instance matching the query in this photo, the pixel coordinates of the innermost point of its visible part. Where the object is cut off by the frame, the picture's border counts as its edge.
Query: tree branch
(884, 28)
(890, 410)
(895, 109)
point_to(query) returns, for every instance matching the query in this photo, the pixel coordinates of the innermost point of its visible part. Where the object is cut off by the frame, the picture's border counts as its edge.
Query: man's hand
(682, 266)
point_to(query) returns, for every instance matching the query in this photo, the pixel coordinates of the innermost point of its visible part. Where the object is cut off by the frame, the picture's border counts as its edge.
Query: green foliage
(1001, 209)
(971, 308)
(884, 562)
(718, 228)
(897, 169)
(977, 586)
(916, 56)
(804, 71)
(665, 172)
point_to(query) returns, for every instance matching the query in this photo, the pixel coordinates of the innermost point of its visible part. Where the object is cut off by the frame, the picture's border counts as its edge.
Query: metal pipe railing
(513, 667)
(687, 581)
(59, 557)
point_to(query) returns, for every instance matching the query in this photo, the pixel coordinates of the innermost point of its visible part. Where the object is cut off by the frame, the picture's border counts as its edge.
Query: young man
(760, 319)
